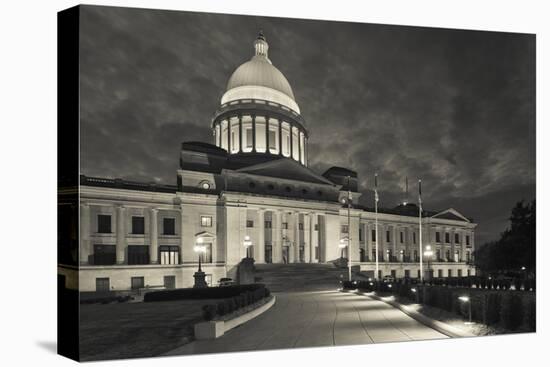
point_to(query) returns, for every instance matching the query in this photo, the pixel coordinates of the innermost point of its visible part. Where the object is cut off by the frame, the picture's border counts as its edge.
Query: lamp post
(200, 277)
(247, 243)
(428, 253)
(466, 299)
(348, 200)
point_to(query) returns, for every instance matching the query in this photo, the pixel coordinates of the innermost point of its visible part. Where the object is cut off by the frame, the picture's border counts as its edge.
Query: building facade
(253, 181)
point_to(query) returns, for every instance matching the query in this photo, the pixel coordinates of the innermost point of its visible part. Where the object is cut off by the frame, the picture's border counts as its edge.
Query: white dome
(259, 79)
(260, 72)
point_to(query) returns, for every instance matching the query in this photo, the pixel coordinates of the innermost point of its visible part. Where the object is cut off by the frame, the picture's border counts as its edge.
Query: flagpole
(420, 228)
(376, 221)
(349, 232)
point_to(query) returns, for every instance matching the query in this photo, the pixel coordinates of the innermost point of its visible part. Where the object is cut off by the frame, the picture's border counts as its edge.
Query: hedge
(201, 293)
(229, 305)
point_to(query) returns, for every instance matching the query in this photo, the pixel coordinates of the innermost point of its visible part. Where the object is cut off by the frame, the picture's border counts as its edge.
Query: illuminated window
(206, 221)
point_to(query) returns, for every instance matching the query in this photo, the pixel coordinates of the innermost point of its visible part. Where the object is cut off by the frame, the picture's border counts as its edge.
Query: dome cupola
(258, 112)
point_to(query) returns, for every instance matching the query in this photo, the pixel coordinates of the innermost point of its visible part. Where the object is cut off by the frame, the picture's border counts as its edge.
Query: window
(401, 237)
(373, 235)
(104, 254)
(316, 227)
(138, 283)
(102, 285)
(415, 254)
(448, 255)
(316, 252)
(206, 221)
(457, 238)
(414, 237)
(284, 225)
(249, 138)
(170, 281)
(387, 236)
(418, 274)
(459, 272)
(138, 225)
(438, 255)
(468, 256)
(344, 229)
(407, 273)
(301, 226)
(233, 141)
(437, 237)
(393, 274)
(267, 224)
(104, 223)
(138, 255)
(169, 255)
(468, 272)
(447, 237)
(450, 273)
(169, 226)
(467, 240)
(272, 139)
(360, 234)
(440, 273)
(249, 223)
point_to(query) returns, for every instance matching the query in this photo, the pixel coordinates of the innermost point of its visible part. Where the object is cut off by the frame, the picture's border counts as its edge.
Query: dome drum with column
(258, 113)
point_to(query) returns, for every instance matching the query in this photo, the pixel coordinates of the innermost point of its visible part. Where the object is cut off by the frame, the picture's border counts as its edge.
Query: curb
(215, 329)
(442, 327)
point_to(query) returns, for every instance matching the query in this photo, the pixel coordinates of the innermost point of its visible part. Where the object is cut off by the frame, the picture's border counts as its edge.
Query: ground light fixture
(247, 242)
(466, 299)
(413, 290)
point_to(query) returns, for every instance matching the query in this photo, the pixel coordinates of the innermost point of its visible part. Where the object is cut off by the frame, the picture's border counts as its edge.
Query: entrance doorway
(302, 254)
(286, 252)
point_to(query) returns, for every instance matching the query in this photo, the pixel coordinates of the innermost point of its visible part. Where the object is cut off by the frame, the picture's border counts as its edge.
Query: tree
(516, 247)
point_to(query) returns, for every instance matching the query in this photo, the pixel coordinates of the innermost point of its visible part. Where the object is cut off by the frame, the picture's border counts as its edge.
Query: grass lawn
(136, 330)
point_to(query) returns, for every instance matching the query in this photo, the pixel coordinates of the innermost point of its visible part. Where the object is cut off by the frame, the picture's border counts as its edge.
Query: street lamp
(199, 275)
(428, 253)
(200, 249)
(247, 243)
(466, 299)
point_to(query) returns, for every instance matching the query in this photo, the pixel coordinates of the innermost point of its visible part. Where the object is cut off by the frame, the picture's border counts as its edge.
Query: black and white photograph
(226, 180)
(252, 183)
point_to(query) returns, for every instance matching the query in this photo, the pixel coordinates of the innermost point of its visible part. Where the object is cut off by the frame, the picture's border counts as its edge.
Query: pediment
(451, 214)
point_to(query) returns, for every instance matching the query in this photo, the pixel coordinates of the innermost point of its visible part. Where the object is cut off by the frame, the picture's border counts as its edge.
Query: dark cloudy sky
(456, 108)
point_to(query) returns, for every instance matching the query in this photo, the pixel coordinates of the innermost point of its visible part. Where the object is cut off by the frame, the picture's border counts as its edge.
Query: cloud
(455, 108)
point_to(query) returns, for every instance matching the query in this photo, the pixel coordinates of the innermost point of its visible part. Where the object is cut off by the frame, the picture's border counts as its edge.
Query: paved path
(311, 319)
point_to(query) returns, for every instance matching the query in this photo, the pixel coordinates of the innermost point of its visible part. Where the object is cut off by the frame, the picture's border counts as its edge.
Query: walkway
(311, 319)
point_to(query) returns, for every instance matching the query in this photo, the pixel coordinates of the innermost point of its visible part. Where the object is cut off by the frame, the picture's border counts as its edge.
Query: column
(85, 250)
(229, 150)
(240, 133)
(297, 237)
(254, 134)
(395, 250)
(120, 234)
(260, 253)
(276, 249)
(267, 135)
(463, 246)
(307, 238)
(291, 141)
(280, 137)
(153, 247)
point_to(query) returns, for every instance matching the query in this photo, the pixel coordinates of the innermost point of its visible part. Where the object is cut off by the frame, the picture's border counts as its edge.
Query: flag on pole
(420, 194)
(376, 187)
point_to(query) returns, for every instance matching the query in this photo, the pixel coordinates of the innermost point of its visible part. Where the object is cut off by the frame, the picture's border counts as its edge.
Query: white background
(28, 180)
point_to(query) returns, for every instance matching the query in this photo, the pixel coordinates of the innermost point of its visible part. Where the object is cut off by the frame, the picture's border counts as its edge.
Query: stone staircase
(300, 277)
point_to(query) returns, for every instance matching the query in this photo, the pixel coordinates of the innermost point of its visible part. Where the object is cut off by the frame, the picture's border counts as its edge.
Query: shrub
(531, 315)
(511, 312)
(200, 293)
(208, 312)
(493, 304)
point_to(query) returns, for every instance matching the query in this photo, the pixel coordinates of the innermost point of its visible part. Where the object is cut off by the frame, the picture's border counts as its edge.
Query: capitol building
(252, 181)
